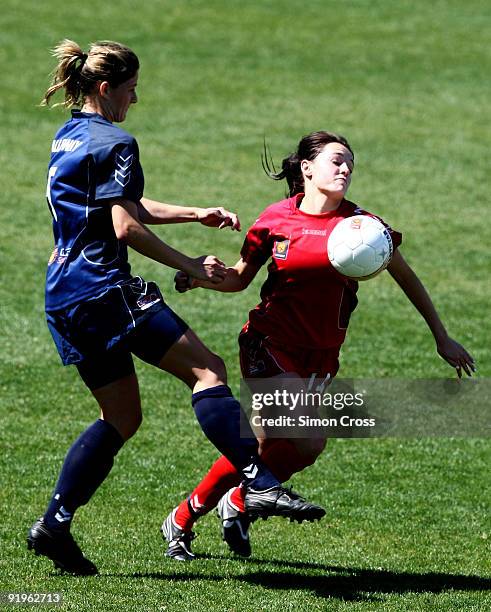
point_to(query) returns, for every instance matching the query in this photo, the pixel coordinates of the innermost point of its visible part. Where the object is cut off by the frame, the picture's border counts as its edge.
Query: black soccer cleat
(61, 548)
(279, 501)
(179, 541)
(235, 527)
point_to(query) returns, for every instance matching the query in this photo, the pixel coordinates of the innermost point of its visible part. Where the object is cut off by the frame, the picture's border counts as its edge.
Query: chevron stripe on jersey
(122, 174)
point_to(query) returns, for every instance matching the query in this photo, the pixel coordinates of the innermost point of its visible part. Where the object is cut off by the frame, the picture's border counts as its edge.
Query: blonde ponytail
(78, 72)
(66, 75)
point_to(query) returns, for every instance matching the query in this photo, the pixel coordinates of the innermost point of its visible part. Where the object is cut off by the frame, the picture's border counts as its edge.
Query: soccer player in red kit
(300, 324)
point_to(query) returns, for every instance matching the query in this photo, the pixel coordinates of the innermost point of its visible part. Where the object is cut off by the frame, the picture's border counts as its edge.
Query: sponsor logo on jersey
(59, 255)
(53, 256)
(314, 232)
(65, 144)
(147, 300)
(63, 254)
(122, 174)
(280, 249)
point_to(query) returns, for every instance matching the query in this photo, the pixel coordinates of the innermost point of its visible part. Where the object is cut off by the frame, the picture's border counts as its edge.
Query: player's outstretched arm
(237, 278)
(151, 212)
(129, 229)
(450, 350)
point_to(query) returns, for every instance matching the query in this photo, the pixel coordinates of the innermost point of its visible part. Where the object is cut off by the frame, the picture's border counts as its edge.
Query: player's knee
(215, 373)
(130, 426)
(135, 423)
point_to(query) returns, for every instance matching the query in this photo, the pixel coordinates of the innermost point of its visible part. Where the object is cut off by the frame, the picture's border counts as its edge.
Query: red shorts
(261, 358)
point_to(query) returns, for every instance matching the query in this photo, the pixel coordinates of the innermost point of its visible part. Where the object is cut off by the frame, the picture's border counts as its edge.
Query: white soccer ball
(360, 247)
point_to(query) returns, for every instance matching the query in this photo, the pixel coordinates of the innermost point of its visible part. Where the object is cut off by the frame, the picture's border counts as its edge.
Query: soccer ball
(360, 247)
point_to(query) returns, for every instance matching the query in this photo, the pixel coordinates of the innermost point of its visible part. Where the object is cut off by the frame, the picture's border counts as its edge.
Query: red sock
(221, 477)
(237, 497)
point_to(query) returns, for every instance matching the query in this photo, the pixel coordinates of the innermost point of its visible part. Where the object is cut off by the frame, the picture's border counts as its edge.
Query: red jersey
(305, 302)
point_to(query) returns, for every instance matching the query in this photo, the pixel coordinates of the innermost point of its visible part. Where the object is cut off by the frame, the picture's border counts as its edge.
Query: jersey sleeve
(258, 243)
(395, 235)
(118, 173)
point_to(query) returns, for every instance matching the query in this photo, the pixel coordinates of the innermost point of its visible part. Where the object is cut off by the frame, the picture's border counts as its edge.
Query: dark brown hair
(308, 148)
(78, 72)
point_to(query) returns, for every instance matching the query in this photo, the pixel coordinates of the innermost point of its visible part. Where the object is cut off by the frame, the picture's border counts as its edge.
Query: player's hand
(208, 268)
(183, 282)
(456, 355)
(218, 217)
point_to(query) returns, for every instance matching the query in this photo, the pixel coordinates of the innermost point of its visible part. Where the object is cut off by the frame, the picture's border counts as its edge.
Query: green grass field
(407, 526)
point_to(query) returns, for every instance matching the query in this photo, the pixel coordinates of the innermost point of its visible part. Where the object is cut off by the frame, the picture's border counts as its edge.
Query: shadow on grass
(347, 583)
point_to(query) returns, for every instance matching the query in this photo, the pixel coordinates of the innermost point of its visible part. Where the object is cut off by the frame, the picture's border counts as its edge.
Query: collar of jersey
(295, 203)
(78, 114)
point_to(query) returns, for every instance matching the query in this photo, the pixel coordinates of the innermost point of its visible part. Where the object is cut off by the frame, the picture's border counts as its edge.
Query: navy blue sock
(86, 465)
(221, 419)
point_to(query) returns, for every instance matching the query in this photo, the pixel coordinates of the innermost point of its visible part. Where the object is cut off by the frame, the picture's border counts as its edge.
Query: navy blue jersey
(92, 161)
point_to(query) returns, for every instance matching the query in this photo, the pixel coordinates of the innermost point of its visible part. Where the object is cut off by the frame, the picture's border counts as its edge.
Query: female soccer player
(99, 315)
(300, 324)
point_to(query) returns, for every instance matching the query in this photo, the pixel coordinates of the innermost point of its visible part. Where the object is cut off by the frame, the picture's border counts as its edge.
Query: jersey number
(51, 174)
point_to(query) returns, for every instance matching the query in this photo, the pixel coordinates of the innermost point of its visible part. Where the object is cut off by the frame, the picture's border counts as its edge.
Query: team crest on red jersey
(280, 249)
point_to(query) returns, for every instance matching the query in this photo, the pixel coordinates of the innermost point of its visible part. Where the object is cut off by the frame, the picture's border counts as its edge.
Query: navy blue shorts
(150, 341)
(100, 335)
